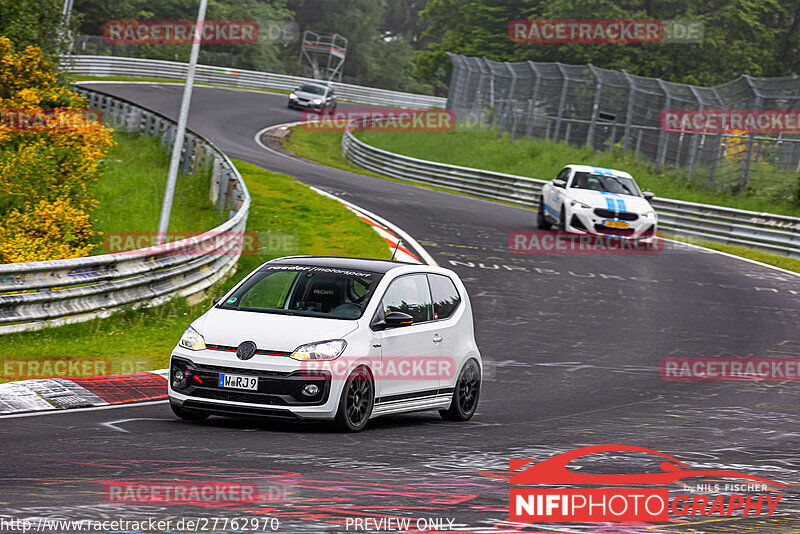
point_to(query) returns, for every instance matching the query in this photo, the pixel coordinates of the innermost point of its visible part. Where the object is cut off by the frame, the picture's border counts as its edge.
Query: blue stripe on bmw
(552, 210)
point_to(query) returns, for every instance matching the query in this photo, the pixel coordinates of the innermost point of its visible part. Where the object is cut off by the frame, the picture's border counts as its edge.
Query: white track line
(407, 239)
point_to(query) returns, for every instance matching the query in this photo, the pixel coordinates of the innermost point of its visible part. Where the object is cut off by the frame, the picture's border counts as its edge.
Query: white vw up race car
(594, 200)
(342, 339)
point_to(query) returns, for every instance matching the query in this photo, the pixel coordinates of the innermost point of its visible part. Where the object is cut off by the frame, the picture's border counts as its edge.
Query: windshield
(605, 182)
(313, 89)
(327, 292)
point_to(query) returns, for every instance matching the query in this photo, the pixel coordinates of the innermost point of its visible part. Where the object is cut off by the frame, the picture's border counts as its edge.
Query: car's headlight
(650, 215)
(192, 340)
(292, 96)
(323, 350)
(579, 205)
(317, 101)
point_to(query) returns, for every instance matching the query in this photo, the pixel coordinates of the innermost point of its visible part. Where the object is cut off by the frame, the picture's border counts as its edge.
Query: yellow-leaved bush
(45, 171)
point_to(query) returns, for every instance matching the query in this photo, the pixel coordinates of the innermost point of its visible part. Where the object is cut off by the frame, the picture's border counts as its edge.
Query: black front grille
(611, 214)
(214, 370)
(625, 232)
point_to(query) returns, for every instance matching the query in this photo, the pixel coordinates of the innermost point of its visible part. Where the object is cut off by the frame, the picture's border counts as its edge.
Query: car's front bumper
(302, 104)
(280, 387)
(588, 222)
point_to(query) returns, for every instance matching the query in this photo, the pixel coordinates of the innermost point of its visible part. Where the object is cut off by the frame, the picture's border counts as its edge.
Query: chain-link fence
(583, 104)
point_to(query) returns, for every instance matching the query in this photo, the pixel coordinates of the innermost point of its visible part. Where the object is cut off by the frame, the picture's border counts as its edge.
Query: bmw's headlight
(579, 205)
(317, 101)
(323, 350)
(292, 96)
(650, 215)
(192, 340)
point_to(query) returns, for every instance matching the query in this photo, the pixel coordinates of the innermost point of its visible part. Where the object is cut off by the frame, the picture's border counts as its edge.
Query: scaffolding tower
(323, 54)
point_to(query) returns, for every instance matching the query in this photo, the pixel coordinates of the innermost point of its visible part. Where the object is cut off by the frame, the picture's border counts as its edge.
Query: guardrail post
(216, 177)
(222, 196)
(187, 154)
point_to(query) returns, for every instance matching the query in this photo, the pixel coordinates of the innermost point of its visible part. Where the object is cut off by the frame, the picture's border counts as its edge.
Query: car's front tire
(466, 394)
(356, 402)
(187, 416)
(562, 221)
(541, 221)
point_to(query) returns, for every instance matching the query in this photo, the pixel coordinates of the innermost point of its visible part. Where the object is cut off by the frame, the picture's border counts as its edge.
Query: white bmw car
(594, 200)
(342, 339)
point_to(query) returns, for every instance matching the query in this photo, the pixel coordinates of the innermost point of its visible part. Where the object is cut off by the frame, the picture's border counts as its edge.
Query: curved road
(574, 344)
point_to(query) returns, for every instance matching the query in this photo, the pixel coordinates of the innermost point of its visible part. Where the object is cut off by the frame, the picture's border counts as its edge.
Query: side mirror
(396, 318)
(560, 183)
(648, 196)
(217, 300)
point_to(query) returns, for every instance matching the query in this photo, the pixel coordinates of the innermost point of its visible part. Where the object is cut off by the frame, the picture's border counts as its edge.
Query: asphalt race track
(572, 344)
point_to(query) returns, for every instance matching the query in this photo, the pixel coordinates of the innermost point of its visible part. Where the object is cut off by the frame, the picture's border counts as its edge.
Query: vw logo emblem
(246, 350)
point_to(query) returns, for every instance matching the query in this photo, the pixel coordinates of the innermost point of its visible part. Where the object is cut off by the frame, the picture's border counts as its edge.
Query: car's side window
(563, 175)
(444, 295)
(409, 294)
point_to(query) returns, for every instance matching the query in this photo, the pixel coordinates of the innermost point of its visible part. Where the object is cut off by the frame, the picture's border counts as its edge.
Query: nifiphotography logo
(573, 496)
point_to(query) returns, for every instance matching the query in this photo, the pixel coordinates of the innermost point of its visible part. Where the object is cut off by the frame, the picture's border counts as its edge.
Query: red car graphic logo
(553, 471)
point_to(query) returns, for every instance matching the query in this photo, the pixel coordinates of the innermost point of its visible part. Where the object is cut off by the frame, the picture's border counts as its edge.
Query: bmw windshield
(607, 183)
(305, 290)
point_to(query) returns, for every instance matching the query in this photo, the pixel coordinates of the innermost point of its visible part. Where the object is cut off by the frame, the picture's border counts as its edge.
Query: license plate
(238, 381)
(615, 224)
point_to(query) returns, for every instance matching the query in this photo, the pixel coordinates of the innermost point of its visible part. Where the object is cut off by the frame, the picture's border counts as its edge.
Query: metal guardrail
(74, 290)
(126, 66)
(777, 234)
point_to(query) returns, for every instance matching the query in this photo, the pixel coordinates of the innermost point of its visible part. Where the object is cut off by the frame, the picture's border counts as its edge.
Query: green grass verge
(325, 148)
(71, 78)
(300, 221)
(131, 190)
(543, 159)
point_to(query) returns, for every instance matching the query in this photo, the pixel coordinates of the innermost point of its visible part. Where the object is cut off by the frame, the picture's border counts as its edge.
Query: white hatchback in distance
(599, 201)
(341, 339)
